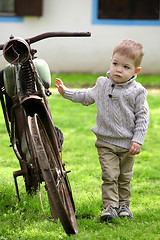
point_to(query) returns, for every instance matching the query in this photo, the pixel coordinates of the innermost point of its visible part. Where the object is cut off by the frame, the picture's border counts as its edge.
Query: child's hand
(135, 148)
(60, 86)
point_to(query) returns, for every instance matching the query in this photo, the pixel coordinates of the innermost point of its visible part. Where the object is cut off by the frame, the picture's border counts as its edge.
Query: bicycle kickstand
(15, 175)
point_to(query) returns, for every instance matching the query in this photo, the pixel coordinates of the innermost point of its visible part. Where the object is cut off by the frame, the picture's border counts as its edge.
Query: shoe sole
(125, 216)
(107, 218)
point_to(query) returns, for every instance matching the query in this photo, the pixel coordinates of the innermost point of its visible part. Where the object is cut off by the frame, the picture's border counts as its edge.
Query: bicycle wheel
(54, 176)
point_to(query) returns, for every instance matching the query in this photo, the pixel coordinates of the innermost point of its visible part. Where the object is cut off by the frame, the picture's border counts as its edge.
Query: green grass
(88, 80)
(24, 220)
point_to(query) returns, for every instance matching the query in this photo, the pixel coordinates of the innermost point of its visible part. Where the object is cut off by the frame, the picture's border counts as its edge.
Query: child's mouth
(117, 75)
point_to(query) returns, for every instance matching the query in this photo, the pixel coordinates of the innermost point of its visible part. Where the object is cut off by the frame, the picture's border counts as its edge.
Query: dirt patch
(80, 85)
(153, 86)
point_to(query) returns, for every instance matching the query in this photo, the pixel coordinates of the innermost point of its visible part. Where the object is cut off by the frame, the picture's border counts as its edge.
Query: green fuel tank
(44, 71)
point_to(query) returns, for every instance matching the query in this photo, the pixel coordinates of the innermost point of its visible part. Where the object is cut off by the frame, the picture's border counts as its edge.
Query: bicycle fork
(19, 120)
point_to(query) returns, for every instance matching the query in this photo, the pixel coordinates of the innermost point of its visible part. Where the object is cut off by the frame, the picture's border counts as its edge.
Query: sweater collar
(131, 80)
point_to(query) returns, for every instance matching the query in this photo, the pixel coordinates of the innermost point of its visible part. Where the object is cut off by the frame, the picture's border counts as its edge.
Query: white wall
(81, 54)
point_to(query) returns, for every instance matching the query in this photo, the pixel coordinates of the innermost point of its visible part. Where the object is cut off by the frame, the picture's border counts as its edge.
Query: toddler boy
(122, 122)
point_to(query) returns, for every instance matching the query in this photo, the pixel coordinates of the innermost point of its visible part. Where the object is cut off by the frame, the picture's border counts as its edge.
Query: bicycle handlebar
(58, 34)
(54, 34)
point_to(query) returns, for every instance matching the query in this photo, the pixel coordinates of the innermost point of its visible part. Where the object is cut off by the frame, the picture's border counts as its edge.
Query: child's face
(122, 68)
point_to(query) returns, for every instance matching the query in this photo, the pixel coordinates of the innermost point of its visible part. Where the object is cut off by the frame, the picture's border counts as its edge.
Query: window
(20, 7)
(126, 12)
(28, 7)
(6, 7)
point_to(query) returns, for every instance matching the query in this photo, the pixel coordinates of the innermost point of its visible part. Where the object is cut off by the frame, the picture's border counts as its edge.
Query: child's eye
(126, 67)
(115, 64)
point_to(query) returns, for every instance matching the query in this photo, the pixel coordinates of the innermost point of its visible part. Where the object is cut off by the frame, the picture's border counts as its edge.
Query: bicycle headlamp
(16, 51)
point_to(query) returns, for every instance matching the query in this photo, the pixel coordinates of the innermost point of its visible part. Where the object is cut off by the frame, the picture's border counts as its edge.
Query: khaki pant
(117, 171)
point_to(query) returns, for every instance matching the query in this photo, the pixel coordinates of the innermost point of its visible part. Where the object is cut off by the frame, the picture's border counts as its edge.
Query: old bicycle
(37, 143)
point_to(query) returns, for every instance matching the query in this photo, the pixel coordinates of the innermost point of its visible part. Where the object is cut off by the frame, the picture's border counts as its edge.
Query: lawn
(25, 220)
(88, 80)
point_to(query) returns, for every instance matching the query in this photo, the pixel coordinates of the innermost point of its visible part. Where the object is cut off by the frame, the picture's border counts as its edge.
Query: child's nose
(119, 69)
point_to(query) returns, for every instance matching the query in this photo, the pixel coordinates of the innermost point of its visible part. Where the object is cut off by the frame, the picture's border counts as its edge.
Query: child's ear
(138, 70)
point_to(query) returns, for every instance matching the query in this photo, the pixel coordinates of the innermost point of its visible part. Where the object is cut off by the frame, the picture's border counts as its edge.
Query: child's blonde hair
(130, 49)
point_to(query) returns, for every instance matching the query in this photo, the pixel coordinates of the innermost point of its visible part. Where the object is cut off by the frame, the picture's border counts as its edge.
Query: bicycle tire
(53, 176)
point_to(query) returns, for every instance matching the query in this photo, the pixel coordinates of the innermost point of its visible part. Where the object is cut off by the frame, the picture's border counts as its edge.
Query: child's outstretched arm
(83, 96)
(60, 86)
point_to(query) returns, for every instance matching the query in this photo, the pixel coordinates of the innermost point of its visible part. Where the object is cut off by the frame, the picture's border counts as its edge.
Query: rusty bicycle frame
(30, 127)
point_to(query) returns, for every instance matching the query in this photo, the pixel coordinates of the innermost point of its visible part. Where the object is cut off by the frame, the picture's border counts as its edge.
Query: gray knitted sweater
(122, 110)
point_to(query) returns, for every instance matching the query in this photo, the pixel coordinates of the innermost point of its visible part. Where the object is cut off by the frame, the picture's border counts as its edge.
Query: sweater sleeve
(83, 96)
(142, 117)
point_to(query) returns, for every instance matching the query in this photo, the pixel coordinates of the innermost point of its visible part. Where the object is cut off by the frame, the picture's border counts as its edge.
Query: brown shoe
(124, 211)
(109, 213)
